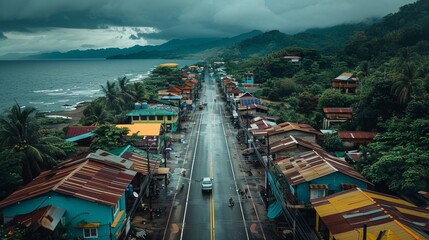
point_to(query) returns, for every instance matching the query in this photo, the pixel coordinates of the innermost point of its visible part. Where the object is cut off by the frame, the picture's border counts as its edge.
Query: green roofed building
(163, 114)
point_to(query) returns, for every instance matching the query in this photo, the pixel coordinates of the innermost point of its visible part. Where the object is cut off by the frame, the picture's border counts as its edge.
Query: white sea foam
(48, 90)
(84, 92)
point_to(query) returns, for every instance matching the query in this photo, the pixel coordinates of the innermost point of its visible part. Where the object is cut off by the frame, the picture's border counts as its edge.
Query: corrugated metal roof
(345, 212)
(314, 164)
(291, 57)
(344, 76)
(142, 129)
(292, 142)
(79, 130)
(338, 110)
(287, 127)
(80, 137)
(86, 178)
(151, 112)
(47, 217)
(356, 134)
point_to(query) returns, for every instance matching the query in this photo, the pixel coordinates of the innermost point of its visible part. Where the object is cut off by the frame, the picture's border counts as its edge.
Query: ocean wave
(84, 92)
(138, 78)
(56, 93)
(48, 90)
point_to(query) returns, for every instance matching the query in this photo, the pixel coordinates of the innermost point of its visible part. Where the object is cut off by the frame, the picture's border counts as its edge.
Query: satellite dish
(135, 194)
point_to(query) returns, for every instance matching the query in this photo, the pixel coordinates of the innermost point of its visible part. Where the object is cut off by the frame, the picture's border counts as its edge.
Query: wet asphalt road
(206, 215)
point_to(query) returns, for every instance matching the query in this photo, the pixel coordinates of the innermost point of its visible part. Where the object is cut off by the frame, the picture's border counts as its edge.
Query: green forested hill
(327, 40)
(408, 28)
(391, 60)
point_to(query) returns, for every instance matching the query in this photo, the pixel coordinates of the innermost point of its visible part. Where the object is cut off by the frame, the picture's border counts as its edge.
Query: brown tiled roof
(314, 164)
(79, 130)
(356, 135)
(87, 178)
(292, 141)
(344, 214)
(338, 110)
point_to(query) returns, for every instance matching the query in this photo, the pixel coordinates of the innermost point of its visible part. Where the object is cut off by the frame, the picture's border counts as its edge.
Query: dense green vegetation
(391, 60)
(27, 149)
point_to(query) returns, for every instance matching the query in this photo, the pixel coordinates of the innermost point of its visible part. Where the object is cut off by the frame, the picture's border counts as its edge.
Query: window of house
(136, 118)
(169, 118)
(115, 209)
(318, 190)
(90, 233)
(151, 117)
(159, 117)
(144, 117)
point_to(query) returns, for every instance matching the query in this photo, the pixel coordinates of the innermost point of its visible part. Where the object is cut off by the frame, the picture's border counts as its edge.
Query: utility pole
(165, 144)
(149, 175)
(267, 187)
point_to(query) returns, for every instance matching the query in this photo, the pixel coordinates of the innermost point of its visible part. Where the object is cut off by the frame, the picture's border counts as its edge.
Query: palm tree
(124, 89)
(113, 98)
(96, 113)
(405, 82)
(20, 138)
(138, 91)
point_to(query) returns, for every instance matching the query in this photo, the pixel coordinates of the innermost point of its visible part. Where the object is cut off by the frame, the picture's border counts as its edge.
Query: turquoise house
(85, 196)
(314, 174)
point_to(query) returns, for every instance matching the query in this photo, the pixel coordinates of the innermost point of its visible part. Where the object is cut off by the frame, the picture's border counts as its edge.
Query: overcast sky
(31, 26)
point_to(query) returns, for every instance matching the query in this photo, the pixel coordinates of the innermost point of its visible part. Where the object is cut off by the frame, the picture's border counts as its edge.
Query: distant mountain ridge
(253, 43)
(176, 48)
(328, 40)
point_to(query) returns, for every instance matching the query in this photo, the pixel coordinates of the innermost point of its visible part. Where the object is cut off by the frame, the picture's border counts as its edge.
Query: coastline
(74, 115)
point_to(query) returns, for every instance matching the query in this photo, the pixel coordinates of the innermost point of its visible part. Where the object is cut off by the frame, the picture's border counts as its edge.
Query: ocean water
(59, 85)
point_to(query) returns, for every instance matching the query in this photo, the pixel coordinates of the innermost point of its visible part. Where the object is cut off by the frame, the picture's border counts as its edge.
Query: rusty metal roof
(338, 110)
(90, 178)
(290, 126)
(286, 127)
(345, 213)
(47, 217)
(314, 164)
(140, 162)
(356, 134)
(292, 142)
(79, 130)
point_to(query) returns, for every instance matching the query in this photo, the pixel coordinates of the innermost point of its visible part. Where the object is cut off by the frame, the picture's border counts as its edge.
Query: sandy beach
(75, 115)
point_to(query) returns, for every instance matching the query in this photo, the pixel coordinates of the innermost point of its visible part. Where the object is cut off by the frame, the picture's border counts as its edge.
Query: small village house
(86, 196)
(336, 116)
(345, 82)
(344, 215)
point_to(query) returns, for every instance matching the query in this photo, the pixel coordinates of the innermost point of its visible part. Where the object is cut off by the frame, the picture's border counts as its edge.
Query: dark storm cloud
(190, 18)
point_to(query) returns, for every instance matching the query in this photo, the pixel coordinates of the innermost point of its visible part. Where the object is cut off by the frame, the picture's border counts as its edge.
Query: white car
(207, 184)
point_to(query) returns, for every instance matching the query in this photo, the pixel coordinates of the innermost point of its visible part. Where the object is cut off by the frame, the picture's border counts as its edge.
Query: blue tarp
(274, 210)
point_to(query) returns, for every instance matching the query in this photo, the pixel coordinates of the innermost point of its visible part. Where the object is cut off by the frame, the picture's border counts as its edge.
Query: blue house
(314, 174)
(86, 196)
